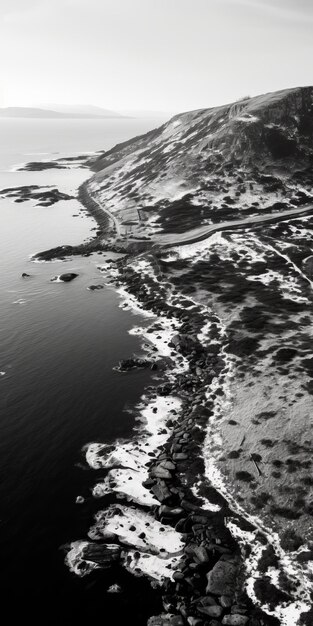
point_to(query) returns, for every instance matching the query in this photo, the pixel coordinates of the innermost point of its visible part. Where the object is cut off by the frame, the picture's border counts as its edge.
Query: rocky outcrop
(127, 365)
(223, 576)
(65, 278)
(102, 554)
(42, 196)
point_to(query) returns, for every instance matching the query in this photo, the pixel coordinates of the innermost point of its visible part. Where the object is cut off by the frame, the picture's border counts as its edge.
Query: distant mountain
(75, 112)
(84, 110)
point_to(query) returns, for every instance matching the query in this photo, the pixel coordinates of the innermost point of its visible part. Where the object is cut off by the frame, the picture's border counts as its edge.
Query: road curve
(202, 232)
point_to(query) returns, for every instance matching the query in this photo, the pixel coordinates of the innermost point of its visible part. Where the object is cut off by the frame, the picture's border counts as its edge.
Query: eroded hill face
(212, 165)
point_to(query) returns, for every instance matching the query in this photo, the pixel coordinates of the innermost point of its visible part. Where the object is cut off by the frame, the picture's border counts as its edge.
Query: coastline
(178, 505)
(204, 526)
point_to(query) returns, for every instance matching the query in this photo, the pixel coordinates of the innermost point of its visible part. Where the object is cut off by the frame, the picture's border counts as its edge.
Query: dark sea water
(58, 345)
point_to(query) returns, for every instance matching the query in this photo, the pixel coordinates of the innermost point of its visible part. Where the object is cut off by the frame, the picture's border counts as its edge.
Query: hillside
(211, 165)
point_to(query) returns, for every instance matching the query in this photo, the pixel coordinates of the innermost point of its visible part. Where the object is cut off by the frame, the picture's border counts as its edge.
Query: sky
(166, 55)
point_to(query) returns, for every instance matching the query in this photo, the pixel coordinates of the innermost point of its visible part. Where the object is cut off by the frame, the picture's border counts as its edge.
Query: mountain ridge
(38, 113)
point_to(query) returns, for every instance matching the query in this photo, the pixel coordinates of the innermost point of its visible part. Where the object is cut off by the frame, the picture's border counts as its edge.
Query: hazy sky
(169, 55)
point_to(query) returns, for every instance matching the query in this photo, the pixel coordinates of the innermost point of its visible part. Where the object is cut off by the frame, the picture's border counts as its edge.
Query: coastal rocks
(44, 196)
(134, 363)
(222, 578)
(95, 287)
(39, 166)
(166, 620)
(65, 278)
(102, 554)
(235, 620)
(161, 491)
(211, 611)
(25, 275)
(161, 472)
(114, 588)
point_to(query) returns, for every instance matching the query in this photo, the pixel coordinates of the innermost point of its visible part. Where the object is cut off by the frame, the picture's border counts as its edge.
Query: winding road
(171, 240)
(202, 232)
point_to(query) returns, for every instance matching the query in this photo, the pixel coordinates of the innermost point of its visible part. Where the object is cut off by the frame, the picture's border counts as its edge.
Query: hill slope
(209, 165)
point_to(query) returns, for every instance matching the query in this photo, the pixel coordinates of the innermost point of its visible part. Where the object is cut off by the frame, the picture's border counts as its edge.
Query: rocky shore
(178, 504)
(207, 584)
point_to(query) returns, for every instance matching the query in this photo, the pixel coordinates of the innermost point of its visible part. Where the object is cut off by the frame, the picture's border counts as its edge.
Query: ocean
(58, 390)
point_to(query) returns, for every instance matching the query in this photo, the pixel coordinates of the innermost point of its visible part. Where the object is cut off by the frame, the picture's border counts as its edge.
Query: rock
(125, 365)
(226, 601)
(168, 465)
(189, 506)
(167, 511)
(222, 578)
(94, 287)
(65, 278)
(235, 620)
(194, 621)
(103, 554)
(165, 390)
(307, 265)
(182, 525)
(211, 611)
(25, 275)
(177, 620)
(161, 491)
(166, 620)
(161, 472)
(207, 600)
(114, 589)
(201, 554)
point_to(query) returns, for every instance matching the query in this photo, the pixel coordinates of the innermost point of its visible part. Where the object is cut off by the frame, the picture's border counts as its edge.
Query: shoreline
(186, 511)
(209, 545)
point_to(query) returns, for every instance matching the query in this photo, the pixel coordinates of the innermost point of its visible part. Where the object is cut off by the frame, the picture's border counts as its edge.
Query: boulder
(94, 287)
(194, 621)
(222, 578)
(226, 601)
(169, 465)
(235, 620)
(25, 275)
(210, 611)
(125, 365)
(166, 620)
(161, 472)
(103, 554)
(167, 511)
(161, 491)
(200, 554)
(65, 278)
